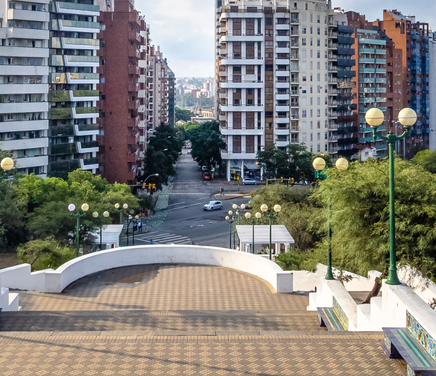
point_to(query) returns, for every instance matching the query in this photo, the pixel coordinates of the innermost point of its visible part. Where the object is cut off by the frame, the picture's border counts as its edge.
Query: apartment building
(73, 80)
(273, 79)
(432, 94)
(121, 146)
(343, 129)
(370, 53)
(24, 58)
(158, 85)
(412, 38)
(171, 94)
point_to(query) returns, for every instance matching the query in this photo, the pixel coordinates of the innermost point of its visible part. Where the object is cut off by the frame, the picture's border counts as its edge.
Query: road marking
(184, 207)
(178, 203)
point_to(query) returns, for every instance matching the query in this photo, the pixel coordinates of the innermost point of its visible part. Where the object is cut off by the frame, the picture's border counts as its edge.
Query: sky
(185, 28)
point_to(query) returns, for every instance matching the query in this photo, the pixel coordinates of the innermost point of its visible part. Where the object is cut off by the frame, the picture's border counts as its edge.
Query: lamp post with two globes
(319, 165)
(95, 215)
(407, 117)
(230, 220)
(253, 221)
(120, 210)
(71, 208)
(275, 213)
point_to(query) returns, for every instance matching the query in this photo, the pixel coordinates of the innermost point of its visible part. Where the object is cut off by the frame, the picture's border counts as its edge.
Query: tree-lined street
(185, 215)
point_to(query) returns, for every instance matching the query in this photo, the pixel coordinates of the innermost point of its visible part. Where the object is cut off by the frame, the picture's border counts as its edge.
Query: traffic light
(153, 186)
(149, 186)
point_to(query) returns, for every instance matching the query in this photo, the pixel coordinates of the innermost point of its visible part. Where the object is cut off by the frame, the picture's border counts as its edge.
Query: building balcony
(28, 15)
(63, 149)
(135, 19)
(133, 88)
(133, 105)
(136, 37)
(134, 70)
(81, 9)
(87, 147)
(89, 163)
(135, 53)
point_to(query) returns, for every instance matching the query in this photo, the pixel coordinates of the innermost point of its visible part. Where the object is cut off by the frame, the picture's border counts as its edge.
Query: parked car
(206, 175)
(212, 205)
(248, 181)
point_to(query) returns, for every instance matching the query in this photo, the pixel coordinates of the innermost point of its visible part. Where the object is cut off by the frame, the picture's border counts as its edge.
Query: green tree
(44, 254)
(184, 115)
(206, 144)
(426, 159)
(11, 211)
(47, 203)
(296, 214)
(162, 153)
(294, 161)
(359, 216)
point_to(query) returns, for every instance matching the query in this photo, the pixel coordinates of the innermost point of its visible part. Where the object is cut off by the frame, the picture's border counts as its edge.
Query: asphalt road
(185, 215)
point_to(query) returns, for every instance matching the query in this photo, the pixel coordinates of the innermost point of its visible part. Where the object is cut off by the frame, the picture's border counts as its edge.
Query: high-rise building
(412, 38)
(121, 146)
(73, 80)
(273, 78)
(343, 129)
(370, 53)
(24, 58)
(432, 93)
(171, 94)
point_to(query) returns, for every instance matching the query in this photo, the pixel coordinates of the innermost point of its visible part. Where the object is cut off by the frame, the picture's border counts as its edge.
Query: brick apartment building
(121, 149)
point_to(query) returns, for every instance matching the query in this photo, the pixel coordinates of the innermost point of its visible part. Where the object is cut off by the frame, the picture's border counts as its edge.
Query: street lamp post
(407, 117)
(95, 215)
(71, 208)
(120, 210)
(230, 221)
(6, 164)
(252, 222)
(264, 208)
(235, 207)
(319, 165)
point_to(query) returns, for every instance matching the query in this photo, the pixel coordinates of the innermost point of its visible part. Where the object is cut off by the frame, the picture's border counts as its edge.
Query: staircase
(8, 300)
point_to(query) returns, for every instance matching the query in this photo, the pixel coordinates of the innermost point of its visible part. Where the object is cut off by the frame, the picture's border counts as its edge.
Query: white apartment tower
(272, 78)
(23, 83)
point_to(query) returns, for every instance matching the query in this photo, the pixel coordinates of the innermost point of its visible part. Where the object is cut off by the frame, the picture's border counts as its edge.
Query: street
(185, 216)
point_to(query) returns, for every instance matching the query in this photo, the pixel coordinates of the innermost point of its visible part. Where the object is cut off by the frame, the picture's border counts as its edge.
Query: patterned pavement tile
(179, 320)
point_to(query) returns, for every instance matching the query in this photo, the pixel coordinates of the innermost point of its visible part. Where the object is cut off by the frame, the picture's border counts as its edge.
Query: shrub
(44, 254)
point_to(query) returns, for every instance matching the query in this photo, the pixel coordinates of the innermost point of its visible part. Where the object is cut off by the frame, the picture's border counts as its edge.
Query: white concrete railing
(20, 277)
(307, 281)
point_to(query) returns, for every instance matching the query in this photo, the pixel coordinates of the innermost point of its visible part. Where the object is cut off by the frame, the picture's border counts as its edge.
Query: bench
(327, 317)
(400, 343)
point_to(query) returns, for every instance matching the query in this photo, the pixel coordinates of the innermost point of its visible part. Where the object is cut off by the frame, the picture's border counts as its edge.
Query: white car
(212, 205)
(248, 181)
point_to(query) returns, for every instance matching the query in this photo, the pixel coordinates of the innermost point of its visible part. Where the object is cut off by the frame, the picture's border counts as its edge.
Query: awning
(280, 235)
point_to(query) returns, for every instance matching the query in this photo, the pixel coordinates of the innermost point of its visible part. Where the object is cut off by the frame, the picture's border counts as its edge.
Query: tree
(162, 154)
(206, 144)
(426, 159)
(44, 254)
(184, 115)
(294, 161)
(11, 211)
(359, 216)
(47, 200)
(296, 214)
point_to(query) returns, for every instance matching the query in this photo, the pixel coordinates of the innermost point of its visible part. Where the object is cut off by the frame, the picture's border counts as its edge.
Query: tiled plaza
(179, 320)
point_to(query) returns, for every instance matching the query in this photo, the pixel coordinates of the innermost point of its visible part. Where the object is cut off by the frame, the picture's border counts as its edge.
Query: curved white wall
(56, 280)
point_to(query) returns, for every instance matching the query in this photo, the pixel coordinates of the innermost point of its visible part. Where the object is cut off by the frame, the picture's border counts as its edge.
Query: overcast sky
(185, 28)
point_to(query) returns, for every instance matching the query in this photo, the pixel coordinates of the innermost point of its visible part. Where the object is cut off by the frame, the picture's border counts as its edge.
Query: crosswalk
(162, 238)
